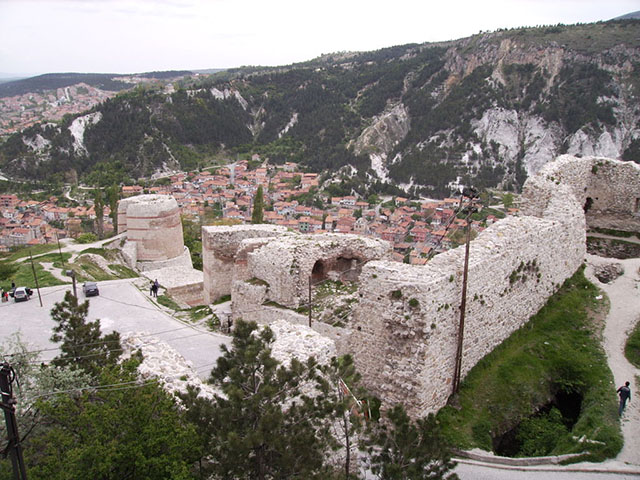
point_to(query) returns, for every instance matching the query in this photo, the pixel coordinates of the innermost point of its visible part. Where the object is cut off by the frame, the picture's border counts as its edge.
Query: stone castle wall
(405, 329)
(608, 189)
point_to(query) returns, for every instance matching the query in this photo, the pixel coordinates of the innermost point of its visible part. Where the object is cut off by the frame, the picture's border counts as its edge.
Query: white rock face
(287, 127)
(37, 143)
(222, 95)
(608, 144)
(515, 131)
(161, 361)
(385, 132)
(78, 127)
(378, 165)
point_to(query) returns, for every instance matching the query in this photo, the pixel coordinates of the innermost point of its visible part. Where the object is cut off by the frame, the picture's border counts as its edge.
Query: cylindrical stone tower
(153, 222)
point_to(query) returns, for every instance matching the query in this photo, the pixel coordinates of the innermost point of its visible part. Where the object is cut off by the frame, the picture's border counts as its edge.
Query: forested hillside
(487, 110)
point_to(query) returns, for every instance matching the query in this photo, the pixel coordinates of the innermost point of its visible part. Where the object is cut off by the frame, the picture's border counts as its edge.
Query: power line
(112, 386)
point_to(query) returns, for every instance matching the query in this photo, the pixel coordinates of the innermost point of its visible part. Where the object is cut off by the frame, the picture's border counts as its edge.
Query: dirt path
(624, 295)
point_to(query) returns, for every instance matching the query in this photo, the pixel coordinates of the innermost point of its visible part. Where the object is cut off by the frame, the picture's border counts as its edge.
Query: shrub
(86, 238)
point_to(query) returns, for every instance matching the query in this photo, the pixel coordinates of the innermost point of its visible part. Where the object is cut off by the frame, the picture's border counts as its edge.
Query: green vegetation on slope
(632, 347)
(556, 356)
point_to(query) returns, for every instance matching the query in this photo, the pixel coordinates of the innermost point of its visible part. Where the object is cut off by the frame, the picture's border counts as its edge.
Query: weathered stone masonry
(405, 327)
(403, 334)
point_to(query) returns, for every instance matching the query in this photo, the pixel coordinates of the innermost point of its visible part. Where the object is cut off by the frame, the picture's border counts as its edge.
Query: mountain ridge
(488, 109)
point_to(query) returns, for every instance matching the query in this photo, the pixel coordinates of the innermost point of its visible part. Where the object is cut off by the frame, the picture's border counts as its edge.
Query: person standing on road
(624, 393)
(156, 286)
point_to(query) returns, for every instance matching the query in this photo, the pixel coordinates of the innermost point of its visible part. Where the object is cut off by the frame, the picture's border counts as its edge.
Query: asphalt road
(121, 307)
(468, 471)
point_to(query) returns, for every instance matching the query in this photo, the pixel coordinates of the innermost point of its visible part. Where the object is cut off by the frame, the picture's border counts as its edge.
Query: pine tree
(257, 215)
(263, 427)
(83, 346)
(405, 450)
(112, 197)
(98, 206)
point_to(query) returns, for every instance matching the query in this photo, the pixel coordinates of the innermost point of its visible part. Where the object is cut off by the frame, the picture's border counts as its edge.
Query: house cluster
(416, 229)
(29, 222)
(291, 199)
(22, 111)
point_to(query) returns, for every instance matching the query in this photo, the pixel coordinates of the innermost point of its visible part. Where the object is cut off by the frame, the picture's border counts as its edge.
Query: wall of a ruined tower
(220, 246)
(613, 187)
(287, 263)
(154, 224)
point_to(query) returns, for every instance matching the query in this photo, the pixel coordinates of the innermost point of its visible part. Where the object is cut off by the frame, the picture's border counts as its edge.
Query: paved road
(472, 471)
(121, 307)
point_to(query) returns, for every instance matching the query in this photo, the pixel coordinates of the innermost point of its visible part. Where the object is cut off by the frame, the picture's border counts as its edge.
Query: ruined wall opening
(348, 268)
(318, 272)
(343, 268)
(587, 204)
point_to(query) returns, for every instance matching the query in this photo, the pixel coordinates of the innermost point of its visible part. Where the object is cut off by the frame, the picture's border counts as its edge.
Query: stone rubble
(161, 361)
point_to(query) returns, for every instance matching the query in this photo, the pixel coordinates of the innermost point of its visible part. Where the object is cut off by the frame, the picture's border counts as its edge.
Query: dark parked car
(90, 289)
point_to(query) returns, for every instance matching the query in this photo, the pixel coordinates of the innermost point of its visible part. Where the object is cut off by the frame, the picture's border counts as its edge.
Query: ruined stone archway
(318, 272)
(343, 268)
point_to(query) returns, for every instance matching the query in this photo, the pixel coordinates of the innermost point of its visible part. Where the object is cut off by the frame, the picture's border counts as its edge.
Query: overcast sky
(117, 36)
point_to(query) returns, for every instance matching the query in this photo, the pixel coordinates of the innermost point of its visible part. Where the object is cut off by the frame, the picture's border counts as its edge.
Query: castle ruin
(404, 326)
(154, 245)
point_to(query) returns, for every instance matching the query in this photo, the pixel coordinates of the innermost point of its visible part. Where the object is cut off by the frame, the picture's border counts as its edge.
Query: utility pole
(72, 274)
(470, 193)
(60, 251)
(309, 302)
(463, 307)
(8, 404)
(35, 278)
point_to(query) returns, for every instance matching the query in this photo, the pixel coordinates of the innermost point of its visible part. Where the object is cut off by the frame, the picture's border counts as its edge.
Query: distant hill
(486, 110)
(629, 16)
(52, 81)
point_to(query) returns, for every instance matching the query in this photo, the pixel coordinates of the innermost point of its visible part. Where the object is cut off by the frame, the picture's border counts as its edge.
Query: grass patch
(86, 270)
(109, 254)
(166, 301)
(632, 347)
(222, 299)
(614, 233)
(23, 277)
(22, 252)
(556, 352)
(199, 312)
(122, 271)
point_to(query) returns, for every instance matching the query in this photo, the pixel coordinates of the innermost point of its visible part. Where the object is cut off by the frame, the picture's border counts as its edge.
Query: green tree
(126, 428)
(258, 207)
(83, 346)
(113, 195)
(98, 206)
(507, 200)
(405, 450)
(264, 427)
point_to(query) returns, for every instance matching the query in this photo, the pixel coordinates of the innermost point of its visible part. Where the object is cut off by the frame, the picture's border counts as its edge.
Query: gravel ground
(624, 295)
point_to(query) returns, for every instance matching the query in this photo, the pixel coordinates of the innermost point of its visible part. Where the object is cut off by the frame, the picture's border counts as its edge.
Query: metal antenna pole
(8, 404)
(35, 278)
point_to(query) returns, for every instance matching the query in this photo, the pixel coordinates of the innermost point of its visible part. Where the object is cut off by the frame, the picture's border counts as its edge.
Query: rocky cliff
(489, 110)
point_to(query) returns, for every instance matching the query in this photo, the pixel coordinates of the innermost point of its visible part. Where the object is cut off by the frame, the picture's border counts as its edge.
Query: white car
(22, 294)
